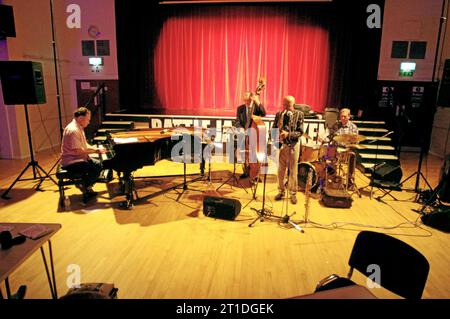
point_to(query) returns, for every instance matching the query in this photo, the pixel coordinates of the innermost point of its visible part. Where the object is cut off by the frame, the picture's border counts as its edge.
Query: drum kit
(332, 164)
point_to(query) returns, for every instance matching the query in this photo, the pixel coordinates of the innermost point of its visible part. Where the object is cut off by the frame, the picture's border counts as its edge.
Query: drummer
(343, 126)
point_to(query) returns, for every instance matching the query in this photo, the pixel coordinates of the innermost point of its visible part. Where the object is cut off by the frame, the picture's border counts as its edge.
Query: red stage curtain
(204, 60)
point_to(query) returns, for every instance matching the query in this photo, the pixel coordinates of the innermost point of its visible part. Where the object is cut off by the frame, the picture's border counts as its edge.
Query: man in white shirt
(75, 152)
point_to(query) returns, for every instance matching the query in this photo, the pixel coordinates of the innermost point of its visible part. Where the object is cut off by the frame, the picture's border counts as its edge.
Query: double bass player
(252, 106)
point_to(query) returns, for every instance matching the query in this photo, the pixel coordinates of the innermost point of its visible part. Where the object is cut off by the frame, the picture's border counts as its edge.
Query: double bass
(256, 141)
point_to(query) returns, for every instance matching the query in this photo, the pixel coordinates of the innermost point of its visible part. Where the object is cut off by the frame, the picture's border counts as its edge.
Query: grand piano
(131, 150)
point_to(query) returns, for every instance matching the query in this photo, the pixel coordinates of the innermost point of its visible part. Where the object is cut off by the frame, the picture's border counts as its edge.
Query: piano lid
(153, 134)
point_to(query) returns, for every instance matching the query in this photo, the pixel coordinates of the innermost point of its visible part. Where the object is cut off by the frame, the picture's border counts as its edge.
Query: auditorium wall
(416, 20)
(34, 42)
(407, 20)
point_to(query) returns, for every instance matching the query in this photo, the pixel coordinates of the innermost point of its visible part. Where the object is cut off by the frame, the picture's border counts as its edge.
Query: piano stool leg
(61, 193)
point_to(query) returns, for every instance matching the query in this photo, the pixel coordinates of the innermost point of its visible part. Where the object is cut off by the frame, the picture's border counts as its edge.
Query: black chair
(403, 270)
(331, 116)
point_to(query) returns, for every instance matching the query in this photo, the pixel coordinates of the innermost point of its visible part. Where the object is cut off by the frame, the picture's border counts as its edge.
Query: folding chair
(403, 269)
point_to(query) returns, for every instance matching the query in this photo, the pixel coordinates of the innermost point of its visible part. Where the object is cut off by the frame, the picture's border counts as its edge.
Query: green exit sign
(406, 73)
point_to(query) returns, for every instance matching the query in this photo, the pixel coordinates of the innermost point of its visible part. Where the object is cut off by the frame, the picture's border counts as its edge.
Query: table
(11, 259)
(349, 292)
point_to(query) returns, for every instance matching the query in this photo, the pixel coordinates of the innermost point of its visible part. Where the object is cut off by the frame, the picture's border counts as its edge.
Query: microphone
(297, 227)
(286, 220)
(289, 114)
(385, 135)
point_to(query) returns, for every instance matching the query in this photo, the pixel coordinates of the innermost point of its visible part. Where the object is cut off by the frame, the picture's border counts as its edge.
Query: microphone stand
(286, 218)
(263, 212)
(427, 132)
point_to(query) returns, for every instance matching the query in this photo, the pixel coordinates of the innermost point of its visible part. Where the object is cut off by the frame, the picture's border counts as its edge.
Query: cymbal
(349, 138)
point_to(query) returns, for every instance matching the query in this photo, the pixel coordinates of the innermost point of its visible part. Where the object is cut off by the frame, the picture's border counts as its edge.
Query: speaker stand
(58, 97)
(37, 169)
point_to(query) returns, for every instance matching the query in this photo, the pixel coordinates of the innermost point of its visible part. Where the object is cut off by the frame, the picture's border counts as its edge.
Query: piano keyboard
(106, 175)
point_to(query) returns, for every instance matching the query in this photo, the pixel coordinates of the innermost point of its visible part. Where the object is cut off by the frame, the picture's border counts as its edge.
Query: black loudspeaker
(220, 207)
(444, 90)
(439, 219)
(22, 82)
(7, 27)
(386, 172)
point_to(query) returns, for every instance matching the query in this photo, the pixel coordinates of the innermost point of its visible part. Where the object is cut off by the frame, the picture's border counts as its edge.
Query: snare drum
(310, 153)
(328, 152)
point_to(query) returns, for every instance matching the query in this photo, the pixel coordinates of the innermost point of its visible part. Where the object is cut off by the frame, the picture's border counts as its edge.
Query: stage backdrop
(205, 59)
(197, 59)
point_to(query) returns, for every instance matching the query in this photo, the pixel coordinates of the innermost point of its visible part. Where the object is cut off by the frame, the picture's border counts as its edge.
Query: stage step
(372, 130)
(370, 147)
(127, 117)
(377, 157)
(377, 140)
(127, 125)
(386, 150)
(104, 131)
(369, 123)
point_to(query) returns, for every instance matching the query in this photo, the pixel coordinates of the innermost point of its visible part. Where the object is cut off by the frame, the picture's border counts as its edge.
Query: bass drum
(303, 170)
(318, 173)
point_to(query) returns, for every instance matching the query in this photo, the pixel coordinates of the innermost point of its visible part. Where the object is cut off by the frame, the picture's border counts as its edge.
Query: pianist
(75, 153)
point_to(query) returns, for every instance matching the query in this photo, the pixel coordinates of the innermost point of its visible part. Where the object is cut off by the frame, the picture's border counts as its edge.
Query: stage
(168, 249)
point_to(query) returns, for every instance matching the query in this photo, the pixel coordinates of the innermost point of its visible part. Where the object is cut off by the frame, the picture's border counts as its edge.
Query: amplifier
(387, 172)
(439, 219)
(220, 207)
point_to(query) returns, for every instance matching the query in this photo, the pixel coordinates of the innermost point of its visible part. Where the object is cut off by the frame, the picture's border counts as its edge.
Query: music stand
(37, 169)
(207, 155)
(184, 186)
(233, 176)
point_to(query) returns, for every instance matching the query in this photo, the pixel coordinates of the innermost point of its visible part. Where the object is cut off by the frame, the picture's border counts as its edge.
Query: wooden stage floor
(168, 249)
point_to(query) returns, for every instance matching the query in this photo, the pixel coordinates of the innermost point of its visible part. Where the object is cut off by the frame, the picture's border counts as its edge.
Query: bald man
(290, 125)
(344, 126)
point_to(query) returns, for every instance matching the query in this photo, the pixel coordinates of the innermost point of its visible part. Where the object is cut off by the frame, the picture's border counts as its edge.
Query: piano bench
(65, 179)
